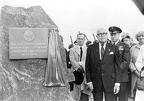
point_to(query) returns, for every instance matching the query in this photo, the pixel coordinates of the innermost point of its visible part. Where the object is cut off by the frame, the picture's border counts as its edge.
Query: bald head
(101, 30)
(102, 35)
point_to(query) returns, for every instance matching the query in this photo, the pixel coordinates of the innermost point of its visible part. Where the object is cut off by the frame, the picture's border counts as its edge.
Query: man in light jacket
(77, 59)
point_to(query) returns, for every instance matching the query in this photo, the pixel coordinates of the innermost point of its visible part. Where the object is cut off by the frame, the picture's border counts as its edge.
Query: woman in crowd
(140, 66)
(134, 51)
(128, 40)
(124, 34)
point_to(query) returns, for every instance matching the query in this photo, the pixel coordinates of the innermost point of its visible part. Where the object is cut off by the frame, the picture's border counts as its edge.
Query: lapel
(118, 44)
(106, 53)
(96, 51)
(77, 50)
(84, 53)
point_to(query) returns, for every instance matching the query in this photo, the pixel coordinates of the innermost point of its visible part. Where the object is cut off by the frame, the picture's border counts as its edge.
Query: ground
(91, 99)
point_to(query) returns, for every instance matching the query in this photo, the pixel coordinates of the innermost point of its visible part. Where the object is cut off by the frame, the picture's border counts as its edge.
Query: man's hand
(90, 85)
(116, 88)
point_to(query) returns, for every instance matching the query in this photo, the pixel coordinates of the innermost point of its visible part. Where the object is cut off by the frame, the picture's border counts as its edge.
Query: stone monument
(22, 79)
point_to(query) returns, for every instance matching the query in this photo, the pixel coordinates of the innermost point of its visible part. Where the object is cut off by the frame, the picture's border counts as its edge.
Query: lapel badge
(121, 48)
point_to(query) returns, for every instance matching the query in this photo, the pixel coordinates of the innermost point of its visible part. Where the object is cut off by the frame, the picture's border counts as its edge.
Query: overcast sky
(87, 16)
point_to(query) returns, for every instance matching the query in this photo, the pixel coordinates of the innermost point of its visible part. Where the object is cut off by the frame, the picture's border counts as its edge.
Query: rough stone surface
(22, 80)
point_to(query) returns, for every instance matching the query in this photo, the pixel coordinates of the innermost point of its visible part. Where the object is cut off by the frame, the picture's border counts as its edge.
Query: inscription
(28, 43)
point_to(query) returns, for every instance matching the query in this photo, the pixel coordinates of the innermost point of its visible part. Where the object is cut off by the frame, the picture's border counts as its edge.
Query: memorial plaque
(25, 43)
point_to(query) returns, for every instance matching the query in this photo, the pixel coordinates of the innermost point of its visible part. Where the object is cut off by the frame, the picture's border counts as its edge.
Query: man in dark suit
(124, 61)
(102, 68)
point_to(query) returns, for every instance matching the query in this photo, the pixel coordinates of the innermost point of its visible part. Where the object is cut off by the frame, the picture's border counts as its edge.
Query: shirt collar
(116, 42)
(81, 46)
(103, 45)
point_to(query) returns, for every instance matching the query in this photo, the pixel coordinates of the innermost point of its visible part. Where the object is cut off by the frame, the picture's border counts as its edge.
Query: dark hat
(78, 77)
(75, 42)
(128, 37)
(70, 46)
(114, 28)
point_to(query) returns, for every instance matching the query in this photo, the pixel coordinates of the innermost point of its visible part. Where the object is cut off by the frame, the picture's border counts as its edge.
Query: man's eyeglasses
(142, 35)
(102, 34)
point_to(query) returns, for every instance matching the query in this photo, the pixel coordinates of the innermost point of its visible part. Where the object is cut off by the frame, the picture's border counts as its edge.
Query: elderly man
(77, 58)
(102, 68)
(124, 61)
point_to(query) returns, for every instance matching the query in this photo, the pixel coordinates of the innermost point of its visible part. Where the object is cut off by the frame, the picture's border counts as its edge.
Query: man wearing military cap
(115, 29)
(124, 61)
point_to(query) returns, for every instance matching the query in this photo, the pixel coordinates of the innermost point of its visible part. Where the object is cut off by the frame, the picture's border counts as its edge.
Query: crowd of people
(106, 68)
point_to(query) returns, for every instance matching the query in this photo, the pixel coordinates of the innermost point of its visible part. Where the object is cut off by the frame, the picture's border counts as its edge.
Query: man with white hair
(102, 68)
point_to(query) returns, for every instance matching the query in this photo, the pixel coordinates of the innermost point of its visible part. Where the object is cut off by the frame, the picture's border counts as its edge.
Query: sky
(87, 16)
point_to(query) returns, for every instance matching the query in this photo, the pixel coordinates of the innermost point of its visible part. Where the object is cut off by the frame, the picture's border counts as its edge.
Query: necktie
(81, 52)
(102, 51)
(113, 43)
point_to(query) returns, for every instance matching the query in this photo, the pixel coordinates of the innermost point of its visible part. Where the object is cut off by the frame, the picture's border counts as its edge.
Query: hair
(127, 34)
(81, 34)
(101, 30)
(139, 33)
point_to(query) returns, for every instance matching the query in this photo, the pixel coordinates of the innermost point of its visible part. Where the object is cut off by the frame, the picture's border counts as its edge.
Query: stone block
(22, 80)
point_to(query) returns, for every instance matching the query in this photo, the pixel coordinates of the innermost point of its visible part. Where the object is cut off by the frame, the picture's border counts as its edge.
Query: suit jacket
(124, 51)
(75, 62)
(140, 59)
(106, 71)
(75, 57)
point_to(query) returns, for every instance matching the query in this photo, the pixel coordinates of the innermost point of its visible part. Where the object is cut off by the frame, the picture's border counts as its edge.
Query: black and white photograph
(71, 50)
